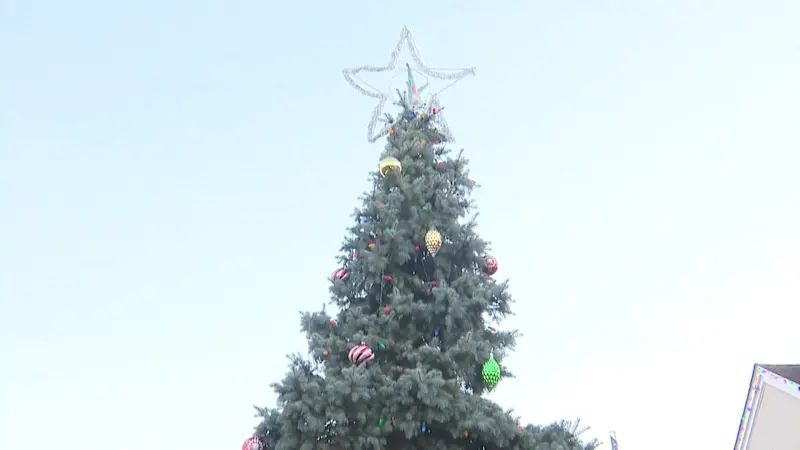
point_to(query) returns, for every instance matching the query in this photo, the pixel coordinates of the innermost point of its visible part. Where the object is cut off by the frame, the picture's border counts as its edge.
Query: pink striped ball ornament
(360, 354)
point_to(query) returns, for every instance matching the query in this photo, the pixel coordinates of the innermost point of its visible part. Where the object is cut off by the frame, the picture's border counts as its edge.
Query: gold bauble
(433, 241)
(390, 166)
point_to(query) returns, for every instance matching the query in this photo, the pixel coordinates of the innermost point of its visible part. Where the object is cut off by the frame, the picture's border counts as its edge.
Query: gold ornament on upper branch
(390, 166)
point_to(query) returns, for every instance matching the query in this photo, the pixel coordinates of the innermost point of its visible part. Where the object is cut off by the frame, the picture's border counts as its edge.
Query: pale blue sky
(175, 179)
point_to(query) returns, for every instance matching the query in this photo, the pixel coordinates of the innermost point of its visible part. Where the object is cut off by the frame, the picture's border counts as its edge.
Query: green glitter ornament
(491, 372)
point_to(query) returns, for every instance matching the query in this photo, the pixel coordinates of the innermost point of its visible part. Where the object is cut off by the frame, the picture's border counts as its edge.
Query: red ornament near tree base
(490, 265)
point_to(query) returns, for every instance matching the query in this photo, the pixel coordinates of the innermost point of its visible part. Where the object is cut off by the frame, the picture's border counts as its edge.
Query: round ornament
(252, 443)
(491, 373)
(433, 241)
(490, 265)
(359, 354)
(390, 166)
(340, 274)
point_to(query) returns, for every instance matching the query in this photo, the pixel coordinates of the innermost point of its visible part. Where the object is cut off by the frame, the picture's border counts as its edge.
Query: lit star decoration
(451, 75)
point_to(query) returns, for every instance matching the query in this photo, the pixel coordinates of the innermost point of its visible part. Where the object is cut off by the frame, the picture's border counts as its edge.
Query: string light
(451, 75)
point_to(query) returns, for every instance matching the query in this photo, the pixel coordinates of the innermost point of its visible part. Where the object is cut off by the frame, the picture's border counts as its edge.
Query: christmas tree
(404, 360)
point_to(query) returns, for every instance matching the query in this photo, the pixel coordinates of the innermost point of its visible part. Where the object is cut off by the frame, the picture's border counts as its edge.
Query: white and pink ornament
(490, 265)
(340, 274)
(252, 443)
(360, 354)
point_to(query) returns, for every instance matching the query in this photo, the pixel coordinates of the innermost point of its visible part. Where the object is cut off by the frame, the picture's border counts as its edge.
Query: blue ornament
(436, 332)
(424, 427)
(412, 114)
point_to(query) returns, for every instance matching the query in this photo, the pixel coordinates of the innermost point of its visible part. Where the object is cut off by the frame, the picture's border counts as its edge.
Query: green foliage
(431, 342)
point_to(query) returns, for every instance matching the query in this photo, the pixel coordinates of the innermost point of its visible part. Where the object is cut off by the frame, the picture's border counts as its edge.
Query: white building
(771, 418)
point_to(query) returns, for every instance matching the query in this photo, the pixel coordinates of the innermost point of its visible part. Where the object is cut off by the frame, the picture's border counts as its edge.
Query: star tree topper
(451, 75)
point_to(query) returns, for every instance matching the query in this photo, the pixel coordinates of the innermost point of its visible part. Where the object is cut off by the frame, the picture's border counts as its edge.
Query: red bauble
(490, 265)
(432, 284)
(340, 274)
(387, 309)
(252, 443)
(360, 354)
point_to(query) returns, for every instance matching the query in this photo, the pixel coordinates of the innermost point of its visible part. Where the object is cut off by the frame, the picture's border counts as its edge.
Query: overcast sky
(175, 179)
